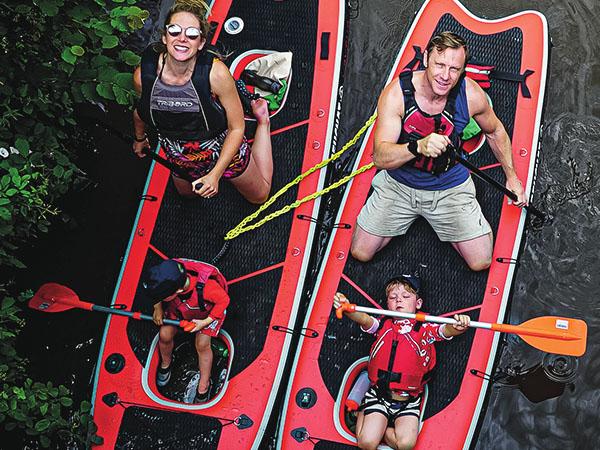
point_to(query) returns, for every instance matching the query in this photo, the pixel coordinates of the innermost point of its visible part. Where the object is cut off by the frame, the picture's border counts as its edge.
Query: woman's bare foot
(260, 110)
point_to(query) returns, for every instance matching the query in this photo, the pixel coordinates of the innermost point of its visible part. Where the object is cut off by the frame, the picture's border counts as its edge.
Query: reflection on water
(560, 264)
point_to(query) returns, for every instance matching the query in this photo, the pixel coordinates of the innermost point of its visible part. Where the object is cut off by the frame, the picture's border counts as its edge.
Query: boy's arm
(364, 320)
(457, 328)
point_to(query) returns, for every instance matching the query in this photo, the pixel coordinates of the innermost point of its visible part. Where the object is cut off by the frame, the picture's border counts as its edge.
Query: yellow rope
(243, 226)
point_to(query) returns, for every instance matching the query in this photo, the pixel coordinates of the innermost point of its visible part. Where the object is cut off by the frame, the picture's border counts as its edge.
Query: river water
(559, 267)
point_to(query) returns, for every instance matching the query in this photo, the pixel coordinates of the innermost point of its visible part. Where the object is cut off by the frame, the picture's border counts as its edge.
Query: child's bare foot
(261, 111)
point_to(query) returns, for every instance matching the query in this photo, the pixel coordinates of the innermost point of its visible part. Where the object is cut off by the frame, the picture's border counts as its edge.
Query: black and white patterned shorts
(375, 402)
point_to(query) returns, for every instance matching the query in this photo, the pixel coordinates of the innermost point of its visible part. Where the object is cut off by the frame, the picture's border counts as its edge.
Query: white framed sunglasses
(192, 33)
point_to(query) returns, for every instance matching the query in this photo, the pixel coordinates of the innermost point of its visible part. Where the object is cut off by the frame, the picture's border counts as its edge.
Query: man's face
(444, 69)
(404, 300)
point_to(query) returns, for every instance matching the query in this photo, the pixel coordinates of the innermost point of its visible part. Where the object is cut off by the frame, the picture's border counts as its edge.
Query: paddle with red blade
(54, 297)
(551, 334)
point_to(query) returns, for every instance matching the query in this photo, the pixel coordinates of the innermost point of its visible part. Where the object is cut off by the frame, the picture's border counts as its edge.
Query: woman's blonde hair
(198, 8)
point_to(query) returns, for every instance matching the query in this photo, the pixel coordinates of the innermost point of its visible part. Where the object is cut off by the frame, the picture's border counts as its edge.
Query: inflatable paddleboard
(265, 267)
(325, 367)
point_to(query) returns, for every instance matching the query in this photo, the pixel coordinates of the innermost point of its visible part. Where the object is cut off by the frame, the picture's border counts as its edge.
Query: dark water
(559, 267)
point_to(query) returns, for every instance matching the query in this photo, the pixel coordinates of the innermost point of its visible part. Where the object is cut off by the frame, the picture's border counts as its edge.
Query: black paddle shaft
(485, 177)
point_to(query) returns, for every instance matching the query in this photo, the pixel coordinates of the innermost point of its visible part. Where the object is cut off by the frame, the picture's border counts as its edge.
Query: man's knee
(360, 253)
(480, 264)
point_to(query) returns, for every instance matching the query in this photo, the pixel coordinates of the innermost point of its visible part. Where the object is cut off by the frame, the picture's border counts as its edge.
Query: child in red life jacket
(182, 289)
(401, 359)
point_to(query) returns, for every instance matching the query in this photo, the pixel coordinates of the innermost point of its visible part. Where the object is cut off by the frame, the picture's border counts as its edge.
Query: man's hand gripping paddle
(53, 297)
(551, 334)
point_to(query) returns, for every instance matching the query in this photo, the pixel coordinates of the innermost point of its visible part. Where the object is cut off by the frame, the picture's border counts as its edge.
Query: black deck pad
(145, 428)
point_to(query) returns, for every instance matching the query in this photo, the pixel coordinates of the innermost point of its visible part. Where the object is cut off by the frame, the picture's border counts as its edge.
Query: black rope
(306, 332)
(322, 224)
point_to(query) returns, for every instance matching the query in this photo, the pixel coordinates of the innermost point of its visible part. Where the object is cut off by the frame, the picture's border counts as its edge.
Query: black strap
(417, 62)
(519, 78)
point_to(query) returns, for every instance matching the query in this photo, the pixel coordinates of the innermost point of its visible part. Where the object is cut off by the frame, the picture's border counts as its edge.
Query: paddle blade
(54, 297)
(570, 335)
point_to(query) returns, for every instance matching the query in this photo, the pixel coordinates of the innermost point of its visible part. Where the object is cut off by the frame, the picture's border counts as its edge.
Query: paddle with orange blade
(53, 297)
(551, 334)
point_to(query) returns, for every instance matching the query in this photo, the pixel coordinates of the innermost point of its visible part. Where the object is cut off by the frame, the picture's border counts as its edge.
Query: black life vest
(417, 124)
(208, 123)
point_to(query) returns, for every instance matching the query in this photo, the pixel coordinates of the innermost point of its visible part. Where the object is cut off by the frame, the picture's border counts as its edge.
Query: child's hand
(338, 299)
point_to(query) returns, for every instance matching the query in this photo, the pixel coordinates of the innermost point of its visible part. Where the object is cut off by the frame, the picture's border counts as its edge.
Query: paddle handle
(133, 315)
(422, 317)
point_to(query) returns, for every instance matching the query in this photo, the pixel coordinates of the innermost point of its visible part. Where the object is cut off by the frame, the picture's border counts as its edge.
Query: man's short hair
(447, 39)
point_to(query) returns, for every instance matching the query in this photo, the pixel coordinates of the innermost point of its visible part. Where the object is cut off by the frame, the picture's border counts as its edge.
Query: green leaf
(22, 145)
(85, 406)
(11, 192)
(130, 58)
(89, 91)
(49, 7)
(66, 401)
(58, 171)
(109, 42)
(121, 95)
(97, 440)
(105, 91)
(44, 408)
(68, 56)
(77, 50)
(42, 425)
(45, 441)
(124, 80)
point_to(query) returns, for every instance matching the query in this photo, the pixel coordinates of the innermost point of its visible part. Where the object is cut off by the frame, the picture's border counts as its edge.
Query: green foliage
(54, 55)
(42, 411)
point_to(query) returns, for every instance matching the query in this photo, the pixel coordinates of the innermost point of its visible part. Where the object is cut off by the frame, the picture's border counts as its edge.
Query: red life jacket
(401, 361)
(418, 124)
(191, 304)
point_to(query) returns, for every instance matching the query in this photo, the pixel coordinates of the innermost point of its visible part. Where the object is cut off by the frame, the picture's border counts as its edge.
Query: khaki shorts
(454, 213)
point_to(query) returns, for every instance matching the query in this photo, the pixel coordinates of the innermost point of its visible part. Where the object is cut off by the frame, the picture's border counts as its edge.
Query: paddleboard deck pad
(264, 268)
(324, 367)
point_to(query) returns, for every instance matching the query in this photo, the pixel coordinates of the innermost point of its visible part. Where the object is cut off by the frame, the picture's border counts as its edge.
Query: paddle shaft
(510, 194)
(500, 327)
(119, 312)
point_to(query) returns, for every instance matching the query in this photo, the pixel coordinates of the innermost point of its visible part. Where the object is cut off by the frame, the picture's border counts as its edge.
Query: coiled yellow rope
(243, 226)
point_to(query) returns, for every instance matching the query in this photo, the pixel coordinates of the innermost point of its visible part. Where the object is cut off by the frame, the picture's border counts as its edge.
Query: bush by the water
(55, 55)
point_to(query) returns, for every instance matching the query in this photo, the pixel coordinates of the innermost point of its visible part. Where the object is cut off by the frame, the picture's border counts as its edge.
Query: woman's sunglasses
(192, 33)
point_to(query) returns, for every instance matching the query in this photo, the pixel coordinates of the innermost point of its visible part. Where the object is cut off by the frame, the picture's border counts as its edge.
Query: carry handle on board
(551, 334)
(54, 297)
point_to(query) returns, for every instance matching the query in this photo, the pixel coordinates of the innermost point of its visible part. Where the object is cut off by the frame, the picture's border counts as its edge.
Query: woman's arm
(140, 141)
(223, 86)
